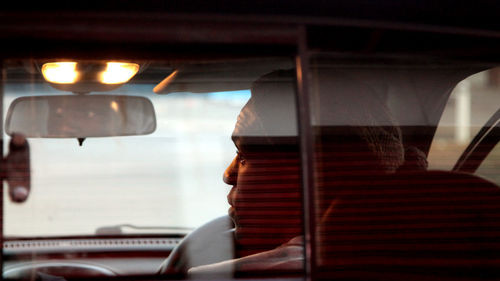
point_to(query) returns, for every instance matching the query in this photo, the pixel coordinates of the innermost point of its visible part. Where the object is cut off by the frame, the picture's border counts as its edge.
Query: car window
(167, 182)
(382, 210)
(472, 102)
(277, 147)
(489, 167)
(210, 145)
(470, 105)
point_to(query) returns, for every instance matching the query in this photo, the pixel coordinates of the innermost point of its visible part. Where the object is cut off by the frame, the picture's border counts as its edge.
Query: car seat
(432, 225)
(210, 243)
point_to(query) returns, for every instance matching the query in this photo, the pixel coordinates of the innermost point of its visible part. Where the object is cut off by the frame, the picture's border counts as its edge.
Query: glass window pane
(101, 164)
(472, 102)
(381, 211)
(490, 166)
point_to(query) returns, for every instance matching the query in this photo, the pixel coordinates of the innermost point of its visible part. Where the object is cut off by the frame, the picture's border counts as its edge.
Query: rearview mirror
(80, 116)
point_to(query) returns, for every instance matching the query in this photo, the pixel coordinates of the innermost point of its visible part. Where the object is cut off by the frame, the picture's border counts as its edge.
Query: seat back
(432, 225)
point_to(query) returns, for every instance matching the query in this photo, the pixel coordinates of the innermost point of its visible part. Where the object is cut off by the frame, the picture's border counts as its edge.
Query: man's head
(348, 120)
(265, 174)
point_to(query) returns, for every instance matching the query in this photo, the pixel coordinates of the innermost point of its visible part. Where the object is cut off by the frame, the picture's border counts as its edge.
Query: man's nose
(231, 173)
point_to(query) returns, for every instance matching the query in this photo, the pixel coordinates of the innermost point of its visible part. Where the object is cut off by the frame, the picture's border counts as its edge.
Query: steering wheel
(55, 269)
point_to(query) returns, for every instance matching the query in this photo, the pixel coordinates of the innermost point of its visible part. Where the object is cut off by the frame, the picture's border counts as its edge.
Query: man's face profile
(265, 197)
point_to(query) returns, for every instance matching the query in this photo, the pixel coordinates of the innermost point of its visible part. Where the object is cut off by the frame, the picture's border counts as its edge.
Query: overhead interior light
(60, 72)
(118, 72)
(84, 77)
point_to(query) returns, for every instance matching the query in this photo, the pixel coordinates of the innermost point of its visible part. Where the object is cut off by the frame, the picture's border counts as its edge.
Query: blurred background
(166, 182)
(471, 104)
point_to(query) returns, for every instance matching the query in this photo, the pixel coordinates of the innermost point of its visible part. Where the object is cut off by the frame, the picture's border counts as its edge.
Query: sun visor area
(219, 76)
(349, 97)
(341, 95)
(375, 95)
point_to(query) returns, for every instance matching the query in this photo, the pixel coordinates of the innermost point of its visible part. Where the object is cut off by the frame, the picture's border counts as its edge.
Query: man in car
(266, 196)
(265, 199)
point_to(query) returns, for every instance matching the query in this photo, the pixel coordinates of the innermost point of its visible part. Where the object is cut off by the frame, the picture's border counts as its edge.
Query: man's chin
(232, 214)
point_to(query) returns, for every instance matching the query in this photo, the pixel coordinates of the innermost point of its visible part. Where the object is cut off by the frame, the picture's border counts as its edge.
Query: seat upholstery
(210, 243)
(431, 225)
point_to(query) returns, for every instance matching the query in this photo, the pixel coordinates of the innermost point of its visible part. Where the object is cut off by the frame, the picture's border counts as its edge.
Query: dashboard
(86, 257)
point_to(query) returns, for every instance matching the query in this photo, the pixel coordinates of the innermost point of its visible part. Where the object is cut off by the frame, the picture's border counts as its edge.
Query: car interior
(362, 153)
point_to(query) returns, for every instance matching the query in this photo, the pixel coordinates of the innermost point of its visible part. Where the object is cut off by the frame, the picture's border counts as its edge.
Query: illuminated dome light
(60, 72)
(118, 72)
